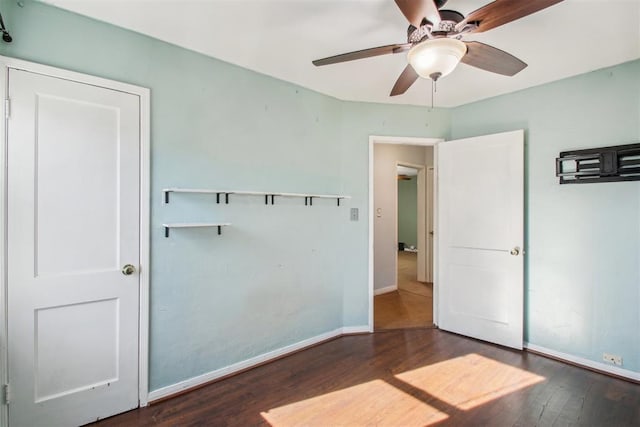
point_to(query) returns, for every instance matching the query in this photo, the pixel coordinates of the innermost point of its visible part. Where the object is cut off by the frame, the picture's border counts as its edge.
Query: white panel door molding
(76, 169)
(430, 220)
(481, 231)
(423, 250)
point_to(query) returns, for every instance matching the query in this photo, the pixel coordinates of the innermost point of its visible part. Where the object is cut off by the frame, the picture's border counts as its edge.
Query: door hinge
(6, 397)
(7, 108)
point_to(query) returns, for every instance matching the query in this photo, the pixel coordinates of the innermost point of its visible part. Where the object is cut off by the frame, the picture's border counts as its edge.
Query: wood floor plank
(411, 306)
(402, 377)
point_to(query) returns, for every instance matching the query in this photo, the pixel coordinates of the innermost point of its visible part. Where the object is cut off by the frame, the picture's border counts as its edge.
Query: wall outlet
(354, 214)
(612, 358)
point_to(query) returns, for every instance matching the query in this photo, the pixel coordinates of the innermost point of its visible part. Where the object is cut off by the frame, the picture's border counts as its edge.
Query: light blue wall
(408, 212)
(280, 274)
(583, 241)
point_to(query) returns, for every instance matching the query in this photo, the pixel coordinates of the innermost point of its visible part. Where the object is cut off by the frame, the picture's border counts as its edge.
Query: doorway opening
(411, 303)
(401, 232)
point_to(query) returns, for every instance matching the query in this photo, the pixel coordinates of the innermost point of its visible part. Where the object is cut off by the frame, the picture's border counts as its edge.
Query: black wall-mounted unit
(604, 164)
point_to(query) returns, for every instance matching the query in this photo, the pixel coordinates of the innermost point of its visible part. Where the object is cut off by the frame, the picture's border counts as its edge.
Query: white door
(73, 223)
(480, 237)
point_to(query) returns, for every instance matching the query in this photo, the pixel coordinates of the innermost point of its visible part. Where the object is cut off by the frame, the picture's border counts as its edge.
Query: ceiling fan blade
(415, 10)
(365, 53)
(501, 12)
(492, 59)
(404, 82)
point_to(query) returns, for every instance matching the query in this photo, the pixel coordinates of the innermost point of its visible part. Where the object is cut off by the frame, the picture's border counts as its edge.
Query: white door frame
(399, 140)
(144, 94)
(430, 213)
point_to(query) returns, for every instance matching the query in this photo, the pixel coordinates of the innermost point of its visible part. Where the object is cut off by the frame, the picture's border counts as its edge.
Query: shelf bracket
(226, 198)
(167, 228)
(166, 196)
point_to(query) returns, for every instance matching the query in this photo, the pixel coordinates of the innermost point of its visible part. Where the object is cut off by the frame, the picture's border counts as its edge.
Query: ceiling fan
(434, 42)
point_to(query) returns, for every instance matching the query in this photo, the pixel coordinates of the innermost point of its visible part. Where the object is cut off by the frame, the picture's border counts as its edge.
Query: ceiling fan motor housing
(449, 19)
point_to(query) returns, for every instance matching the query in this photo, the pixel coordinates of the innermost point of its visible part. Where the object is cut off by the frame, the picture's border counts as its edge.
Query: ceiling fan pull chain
(433, 92)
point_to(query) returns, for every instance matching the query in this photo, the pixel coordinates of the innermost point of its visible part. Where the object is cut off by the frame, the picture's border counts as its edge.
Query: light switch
(354, 214)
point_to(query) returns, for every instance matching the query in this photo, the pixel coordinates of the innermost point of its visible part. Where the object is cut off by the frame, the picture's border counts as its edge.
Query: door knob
(515, 251)
(128, 270)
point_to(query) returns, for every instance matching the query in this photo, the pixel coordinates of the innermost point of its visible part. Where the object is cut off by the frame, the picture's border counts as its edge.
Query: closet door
(73, 250)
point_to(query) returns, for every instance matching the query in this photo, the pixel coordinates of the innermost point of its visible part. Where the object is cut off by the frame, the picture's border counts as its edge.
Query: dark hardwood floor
(412, 377)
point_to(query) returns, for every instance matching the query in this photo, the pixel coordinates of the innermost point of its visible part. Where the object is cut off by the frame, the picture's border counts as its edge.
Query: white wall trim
(404, 140)
(145, 245)
(4, 353)
(144, 95)
(398, 140)
(385, 290)
(435, 278)
(355, 330)
(581, 361)
(190, 383)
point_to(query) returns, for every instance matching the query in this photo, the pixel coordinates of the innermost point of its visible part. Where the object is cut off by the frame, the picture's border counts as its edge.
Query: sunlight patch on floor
(371, 403)
(469, 381)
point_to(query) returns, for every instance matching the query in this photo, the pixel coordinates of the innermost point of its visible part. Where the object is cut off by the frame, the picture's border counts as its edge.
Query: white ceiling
(280, 38)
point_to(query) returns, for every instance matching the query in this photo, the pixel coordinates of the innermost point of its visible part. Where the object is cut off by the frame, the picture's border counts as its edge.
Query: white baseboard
(385, 290)
(354, 330)
(614, 370)
(249, 363)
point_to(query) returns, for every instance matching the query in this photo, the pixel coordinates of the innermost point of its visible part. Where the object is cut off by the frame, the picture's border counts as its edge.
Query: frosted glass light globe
(435, 58)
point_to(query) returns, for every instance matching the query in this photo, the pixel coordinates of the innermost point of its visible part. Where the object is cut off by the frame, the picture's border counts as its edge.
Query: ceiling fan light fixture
(436, 58)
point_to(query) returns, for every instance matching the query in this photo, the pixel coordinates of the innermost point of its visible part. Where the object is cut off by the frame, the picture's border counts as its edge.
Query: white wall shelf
(169, 226)
(269, 197)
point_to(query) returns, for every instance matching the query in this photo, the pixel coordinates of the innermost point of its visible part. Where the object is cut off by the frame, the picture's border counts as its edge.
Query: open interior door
(480, 220)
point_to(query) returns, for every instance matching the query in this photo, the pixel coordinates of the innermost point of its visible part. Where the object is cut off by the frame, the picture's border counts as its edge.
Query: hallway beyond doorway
(411, 305)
